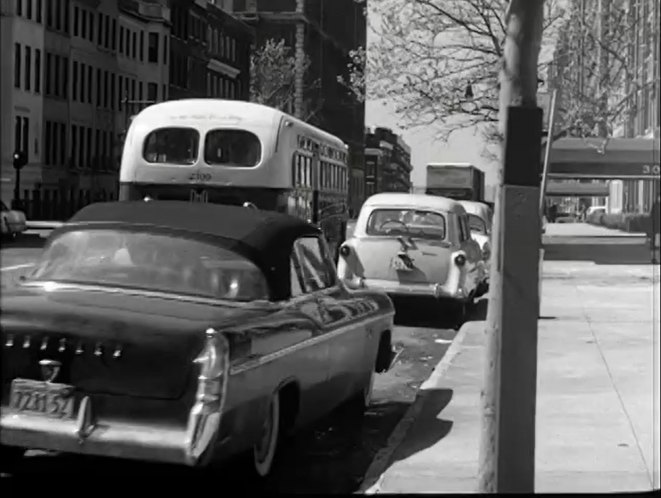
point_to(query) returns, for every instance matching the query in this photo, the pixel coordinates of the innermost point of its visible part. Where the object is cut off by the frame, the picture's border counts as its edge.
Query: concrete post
(507, 450)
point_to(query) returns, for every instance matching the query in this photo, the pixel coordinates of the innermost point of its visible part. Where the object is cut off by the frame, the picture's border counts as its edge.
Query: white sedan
(12, 222)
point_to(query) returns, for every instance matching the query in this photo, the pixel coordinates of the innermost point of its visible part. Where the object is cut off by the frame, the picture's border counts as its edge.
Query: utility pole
(507, 447)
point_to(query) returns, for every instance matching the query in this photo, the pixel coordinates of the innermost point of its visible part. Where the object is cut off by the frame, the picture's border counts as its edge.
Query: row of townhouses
(75, 71)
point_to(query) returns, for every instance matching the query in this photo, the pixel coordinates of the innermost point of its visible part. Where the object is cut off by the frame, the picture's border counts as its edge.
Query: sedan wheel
(264, 451)
(10, 457)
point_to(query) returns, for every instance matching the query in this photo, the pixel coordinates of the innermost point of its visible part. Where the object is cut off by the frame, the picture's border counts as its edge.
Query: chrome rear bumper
(437, 291)
(118, 439)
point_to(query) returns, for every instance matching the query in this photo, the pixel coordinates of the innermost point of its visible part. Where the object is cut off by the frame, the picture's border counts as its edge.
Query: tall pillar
(300, 62)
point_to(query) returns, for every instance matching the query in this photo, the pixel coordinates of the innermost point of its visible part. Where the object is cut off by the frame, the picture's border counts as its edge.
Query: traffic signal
(20, 159)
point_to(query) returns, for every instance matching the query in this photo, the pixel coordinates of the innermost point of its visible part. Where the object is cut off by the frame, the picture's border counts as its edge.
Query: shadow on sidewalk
(429, 427)
(600, 253)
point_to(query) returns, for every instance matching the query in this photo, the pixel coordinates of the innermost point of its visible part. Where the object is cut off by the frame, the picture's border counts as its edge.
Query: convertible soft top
(265, 237)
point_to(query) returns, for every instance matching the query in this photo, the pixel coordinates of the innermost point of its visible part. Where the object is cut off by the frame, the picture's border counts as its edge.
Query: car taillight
(204, 417)
(345, 251)
(460, 260)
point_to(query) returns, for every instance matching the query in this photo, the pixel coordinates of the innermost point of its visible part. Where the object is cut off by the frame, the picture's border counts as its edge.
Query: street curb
(373, 477)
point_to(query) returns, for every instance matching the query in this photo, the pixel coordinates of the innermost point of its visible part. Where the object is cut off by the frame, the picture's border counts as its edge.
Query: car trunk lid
(108, 343)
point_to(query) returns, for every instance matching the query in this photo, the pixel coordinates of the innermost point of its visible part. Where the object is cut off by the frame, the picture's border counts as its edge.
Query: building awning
(620, 158)
(575, 189)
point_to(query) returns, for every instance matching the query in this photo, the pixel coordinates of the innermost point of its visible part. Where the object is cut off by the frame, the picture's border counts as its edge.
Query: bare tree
(273, 79)
(438, 61)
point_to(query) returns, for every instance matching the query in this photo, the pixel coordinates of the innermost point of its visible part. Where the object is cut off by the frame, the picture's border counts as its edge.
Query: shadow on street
(29, 241)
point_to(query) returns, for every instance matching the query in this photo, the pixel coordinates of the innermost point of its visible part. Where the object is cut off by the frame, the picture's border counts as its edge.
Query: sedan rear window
(150, 261)
(237, 148)
(477, 224)
(419, 223)
(172, 146)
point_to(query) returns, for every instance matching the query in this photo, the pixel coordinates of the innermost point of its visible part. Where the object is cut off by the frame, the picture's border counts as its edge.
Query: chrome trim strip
(145, 293)
(268, 358)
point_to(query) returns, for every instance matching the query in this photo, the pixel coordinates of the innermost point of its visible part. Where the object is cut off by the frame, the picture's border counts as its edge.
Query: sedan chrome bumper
(396, 289)
(117, 439)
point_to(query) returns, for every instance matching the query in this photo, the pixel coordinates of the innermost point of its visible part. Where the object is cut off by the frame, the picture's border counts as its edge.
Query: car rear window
(172, 146)
(150, 261)
(414, 222)
(238, 148)
(477, 224)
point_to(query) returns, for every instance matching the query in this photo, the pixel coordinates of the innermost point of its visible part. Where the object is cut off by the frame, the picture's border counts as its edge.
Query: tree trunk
(518, 81)
(299, 69)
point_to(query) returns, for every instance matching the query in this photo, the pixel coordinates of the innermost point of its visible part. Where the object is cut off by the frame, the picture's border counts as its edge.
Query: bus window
(232, 148)
(172, 145)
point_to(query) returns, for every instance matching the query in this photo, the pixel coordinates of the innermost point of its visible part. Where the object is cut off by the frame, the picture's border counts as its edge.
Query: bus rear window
(232, 148)
(172, 146)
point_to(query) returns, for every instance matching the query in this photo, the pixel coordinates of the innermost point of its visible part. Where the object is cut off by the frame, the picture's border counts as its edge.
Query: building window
(99, 31)
(142, 46)
(49, 13)
(63, 142)
(140, 88)
(58, 14)
(113, 33)
(153, 47)
(37, 70)
(65, 77)
(19, 7)
(90, 31)
(121, 39)
(40, 9)
(98, 87)
(74, 77)
(67, 13)
(89, 84)
(82, 82)
(47, 143)
(88, 157)
(76, 13)
(25, 138)
(17, 65)
(56, 75)
(107, 31)
(74, 144)
(29, 10)
(134, 45)
(106, 83)
(83, 23)
(113, 102)
(28, 67)
(165, 49)
(152, 92)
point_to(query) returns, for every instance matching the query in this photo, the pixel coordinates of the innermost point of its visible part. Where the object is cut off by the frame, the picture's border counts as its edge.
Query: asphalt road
(330, 457)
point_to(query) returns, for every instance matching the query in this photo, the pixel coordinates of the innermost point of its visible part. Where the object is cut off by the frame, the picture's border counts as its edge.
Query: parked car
(480, 219)
(12, 222)
(413, 245)
(185, 333)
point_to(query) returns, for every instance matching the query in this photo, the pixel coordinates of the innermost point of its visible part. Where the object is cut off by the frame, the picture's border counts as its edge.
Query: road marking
(16, 267)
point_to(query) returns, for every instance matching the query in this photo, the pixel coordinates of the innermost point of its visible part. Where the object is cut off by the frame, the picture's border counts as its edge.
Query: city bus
(239, 153)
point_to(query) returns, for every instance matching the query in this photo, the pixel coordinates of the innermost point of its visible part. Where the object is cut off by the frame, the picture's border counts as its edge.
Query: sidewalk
(586, 230)
(597, 395)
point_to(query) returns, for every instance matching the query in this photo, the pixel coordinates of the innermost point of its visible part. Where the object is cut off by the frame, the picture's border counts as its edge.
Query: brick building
(326, 31)
(387, 162)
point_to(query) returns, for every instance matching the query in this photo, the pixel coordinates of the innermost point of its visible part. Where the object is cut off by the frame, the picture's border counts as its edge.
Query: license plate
(42, 398)
(399, 265)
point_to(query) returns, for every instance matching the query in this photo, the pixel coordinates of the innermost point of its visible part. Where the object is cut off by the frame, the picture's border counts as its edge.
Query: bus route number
(200, 177)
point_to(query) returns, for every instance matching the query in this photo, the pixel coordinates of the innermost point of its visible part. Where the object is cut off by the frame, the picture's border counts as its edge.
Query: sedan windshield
(411, 222)
(150, 261)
